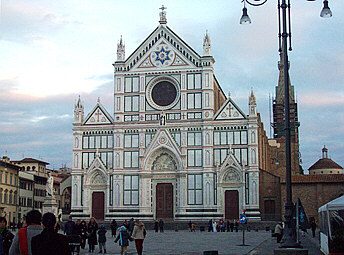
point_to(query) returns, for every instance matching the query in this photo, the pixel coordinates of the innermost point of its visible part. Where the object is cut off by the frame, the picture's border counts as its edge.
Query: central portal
(164, 201)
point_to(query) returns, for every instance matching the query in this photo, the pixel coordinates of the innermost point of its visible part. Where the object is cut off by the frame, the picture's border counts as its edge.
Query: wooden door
(164, 201)
(232, 205)
(98, 205)
(269, 209)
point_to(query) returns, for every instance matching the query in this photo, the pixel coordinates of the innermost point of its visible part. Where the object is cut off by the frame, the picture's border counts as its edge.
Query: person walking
(102, 238)
(214, 226)
(236, 226)
(92, 228)
(113, 228)
(22, 240)
(131, 225)
(231, 226)
(210, 226)
(49, 242)
(139, 234)
(77, 234)
(156, 226)
(69, 226)
(6, 237)
(227, 225)
(189, 226)
(193, 228)
(161, 225)
(123, 237)
(84, 233)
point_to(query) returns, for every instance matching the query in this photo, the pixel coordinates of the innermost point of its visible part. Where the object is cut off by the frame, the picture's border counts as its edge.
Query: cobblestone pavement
(191, 243)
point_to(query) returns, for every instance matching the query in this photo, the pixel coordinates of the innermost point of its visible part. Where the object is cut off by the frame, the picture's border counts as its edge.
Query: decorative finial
(324, 152)
(206, 45)
(162, 14)
(120, 50)
(98, 100)
(229, 93)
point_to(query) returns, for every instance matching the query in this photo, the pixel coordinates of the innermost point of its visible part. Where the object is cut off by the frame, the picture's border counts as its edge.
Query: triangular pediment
(97, 164)
(230, 161)
(163, 138)
(229, 110)
(162, 49)
(98, 116)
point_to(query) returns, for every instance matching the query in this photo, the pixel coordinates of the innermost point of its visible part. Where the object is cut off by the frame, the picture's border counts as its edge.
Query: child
(123, 238)
(102, 238)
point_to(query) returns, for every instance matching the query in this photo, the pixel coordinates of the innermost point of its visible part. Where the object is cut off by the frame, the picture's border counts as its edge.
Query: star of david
(162, 55)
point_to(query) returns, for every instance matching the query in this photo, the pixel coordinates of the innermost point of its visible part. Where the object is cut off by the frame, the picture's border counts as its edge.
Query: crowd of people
(40, 234)
(223, 226)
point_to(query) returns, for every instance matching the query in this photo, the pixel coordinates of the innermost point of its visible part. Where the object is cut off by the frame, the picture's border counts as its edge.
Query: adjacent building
(38, 169)
(9, 189)
(26, 193)
(325, 165)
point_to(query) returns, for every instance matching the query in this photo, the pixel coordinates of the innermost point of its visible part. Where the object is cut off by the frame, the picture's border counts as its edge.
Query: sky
(53, 51)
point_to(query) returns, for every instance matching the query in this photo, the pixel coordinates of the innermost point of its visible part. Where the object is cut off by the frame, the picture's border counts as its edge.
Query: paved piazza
(184, 242)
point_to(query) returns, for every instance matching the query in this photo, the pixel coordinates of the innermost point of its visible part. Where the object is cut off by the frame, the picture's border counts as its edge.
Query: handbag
(144, 232)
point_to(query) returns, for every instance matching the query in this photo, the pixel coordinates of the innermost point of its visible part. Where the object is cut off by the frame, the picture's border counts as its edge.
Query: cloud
(24, 21)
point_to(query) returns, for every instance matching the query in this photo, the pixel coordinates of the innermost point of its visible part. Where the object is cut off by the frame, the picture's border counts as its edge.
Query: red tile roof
(316, 178)
(325, 163)
(30, 160)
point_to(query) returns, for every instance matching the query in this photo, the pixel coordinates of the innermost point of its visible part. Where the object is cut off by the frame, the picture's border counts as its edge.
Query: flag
(303, 220)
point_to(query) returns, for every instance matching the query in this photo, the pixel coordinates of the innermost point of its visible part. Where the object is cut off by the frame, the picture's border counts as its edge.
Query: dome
(325, 163)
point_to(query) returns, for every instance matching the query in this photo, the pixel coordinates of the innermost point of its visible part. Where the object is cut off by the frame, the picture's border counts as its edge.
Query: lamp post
(289, 234)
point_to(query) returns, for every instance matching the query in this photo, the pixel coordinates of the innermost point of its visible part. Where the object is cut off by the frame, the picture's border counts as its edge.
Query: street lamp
(289, 234)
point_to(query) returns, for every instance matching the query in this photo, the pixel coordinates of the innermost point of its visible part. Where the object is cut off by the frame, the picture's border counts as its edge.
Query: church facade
(176, 147)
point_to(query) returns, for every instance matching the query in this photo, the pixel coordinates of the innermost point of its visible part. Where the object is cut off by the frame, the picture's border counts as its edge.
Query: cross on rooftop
(162, 8)
(162, 15)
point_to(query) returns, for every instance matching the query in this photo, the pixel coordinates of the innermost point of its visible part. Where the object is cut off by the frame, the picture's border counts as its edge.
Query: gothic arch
(154, 155)
(231, 175)
(97, 177)
(164, 162)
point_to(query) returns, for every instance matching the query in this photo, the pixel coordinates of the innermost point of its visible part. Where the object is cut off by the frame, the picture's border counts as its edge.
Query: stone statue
(50, 186)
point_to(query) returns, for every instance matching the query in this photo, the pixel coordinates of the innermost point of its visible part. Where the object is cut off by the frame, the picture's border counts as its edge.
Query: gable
(98, 116)
(165, 139)
(162, 49)
(229, 111)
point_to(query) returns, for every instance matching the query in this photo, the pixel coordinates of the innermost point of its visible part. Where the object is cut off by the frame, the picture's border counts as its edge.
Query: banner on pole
(303, 220)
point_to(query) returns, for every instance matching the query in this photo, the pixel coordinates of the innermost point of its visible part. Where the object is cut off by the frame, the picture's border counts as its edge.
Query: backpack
(22, 237)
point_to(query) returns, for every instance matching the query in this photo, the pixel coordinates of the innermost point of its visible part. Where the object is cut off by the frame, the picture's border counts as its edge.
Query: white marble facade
(167, 128)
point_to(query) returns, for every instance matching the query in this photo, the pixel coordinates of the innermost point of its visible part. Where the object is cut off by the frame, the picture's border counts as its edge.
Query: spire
(78, 103)
(98, 100)
(78, 112)
(252, 98)
(252, 103)
(280, 87)
(162, 15)
(120, 50)
(206, 45)
(324, 152)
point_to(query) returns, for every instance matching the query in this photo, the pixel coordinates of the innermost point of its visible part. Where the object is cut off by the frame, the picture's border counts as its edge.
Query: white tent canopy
(336, 204)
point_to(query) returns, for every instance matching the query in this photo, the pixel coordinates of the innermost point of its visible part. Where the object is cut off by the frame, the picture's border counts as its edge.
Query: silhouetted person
(49, 242)
(161, 225)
